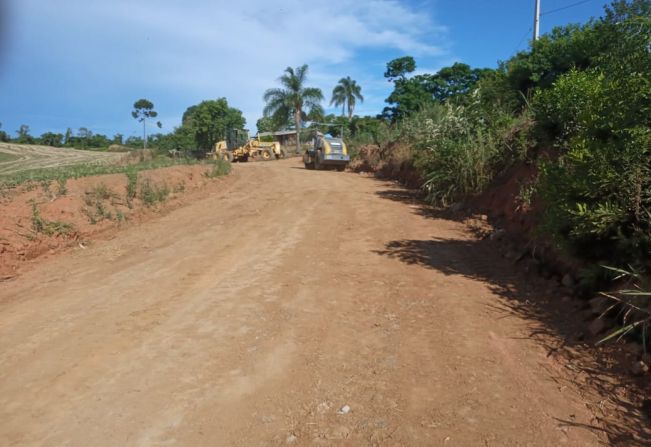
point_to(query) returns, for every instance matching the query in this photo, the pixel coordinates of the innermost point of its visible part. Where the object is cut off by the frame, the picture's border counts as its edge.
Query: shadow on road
(554, 322)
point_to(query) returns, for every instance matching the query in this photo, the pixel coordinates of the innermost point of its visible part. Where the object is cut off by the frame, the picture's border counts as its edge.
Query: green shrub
(219, 168)
(460, 148)
(598, 193)
(152, 194)
(49, 227)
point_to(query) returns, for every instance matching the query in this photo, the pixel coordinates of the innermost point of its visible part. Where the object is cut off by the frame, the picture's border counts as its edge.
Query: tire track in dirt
(252, 316)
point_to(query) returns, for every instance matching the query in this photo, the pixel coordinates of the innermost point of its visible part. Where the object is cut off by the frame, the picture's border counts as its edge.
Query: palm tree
(292, 99)
(345, 94)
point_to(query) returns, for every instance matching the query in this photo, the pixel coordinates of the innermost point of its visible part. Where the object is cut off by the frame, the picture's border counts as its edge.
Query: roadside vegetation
(61, 174)
(576, 105)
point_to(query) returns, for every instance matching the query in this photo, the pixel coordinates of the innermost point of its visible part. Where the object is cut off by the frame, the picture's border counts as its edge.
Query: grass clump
(462, 146)
(152, 194)
(218, 169)
(95, 200)
(62, 187)
(49, 227)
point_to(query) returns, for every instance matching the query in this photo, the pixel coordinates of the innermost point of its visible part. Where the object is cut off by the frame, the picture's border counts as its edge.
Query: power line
(522, 40)
(565, 7)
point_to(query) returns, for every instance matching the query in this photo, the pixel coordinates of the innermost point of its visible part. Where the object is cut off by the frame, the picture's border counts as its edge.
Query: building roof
(280, 132)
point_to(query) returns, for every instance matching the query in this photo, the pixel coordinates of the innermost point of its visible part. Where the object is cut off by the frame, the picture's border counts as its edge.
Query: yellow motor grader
(239, 147)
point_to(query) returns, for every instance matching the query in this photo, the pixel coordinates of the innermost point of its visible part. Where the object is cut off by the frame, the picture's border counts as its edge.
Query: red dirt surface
(78, 207)
(296, 307)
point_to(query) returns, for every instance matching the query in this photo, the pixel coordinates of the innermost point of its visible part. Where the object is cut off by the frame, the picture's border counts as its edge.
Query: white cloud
(208, 49)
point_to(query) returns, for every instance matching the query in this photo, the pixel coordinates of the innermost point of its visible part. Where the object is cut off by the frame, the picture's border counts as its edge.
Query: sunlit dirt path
(253, 316)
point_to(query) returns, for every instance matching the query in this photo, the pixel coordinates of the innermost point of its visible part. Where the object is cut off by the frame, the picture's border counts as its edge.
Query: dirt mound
(35, 220)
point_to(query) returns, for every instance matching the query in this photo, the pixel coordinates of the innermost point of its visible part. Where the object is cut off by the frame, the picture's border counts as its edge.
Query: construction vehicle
(239, 147)
(326, 151)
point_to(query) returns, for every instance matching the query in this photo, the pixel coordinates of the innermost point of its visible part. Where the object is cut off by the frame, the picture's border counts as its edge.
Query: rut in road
(251, 317)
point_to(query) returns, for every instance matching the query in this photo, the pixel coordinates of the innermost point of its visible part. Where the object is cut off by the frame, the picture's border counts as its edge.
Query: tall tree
(67, 138)
(143, 109)
(51, 139)
(23, 135)
(398, 68)
(208, 121)
(292, 99)
(3, 135)
(345, 94)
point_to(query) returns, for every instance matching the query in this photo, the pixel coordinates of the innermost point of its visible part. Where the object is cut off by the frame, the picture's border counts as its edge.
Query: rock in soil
(344, 410)
(639, 368)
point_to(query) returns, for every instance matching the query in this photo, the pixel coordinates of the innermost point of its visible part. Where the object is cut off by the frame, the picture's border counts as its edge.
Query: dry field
(18, 157)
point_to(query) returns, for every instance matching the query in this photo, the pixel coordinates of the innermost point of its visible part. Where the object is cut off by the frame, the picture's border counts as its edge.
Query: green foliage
(23, 136)
(632, 303)
(207, 122)
(413, 94)
(152, 194)
(371, 131)
(292, 99)
(143, 109)
(599, 190)
(219, 168)
(51, 139)
(400, 67)
(3, 135)
(181, 139)
(62, 186)
(345, 94)
(49, 227)
(460, 148)
(132, 184)
(95, 200)
(266, 124)
(567, 47)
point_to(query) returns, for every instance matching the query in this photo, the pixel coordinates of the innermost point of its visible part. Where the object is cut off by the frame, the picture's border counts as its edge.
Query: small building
(286, 138)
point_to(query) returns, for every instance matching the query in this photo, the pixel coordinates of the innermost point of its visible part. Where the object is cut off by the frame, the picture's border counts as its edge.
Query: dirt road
(251, 317)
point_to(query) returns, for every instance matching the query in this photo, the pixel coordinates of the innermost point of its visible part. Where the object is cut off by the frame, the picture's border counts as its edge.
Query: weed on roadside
(152, 194)
(62, 189)
(219, 168)
(95, 201)
(49, 227)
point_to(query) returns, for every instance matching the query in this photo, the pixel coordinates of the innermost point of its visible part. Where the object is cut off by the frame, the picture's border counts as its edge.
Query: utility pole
(536, 22)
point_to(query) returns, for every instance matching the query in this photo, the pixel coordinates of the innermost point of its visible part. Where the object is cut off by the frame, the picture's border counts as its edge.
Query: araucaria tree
(346, 94)
(143, 109)
(292, 99)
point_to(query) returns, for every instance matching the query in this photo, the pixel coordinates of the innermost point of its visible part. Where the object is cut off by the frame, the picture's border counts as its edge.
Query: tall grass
(460, 148)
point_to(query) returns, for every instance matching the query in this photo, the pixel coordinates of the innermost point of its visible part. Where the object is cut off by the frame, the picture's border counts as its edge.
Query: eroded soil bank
(43, 218)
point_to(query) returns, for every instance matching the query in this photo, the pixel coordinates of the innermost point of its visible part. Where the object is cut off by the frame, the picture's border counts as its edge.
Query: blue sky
(82, 63)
